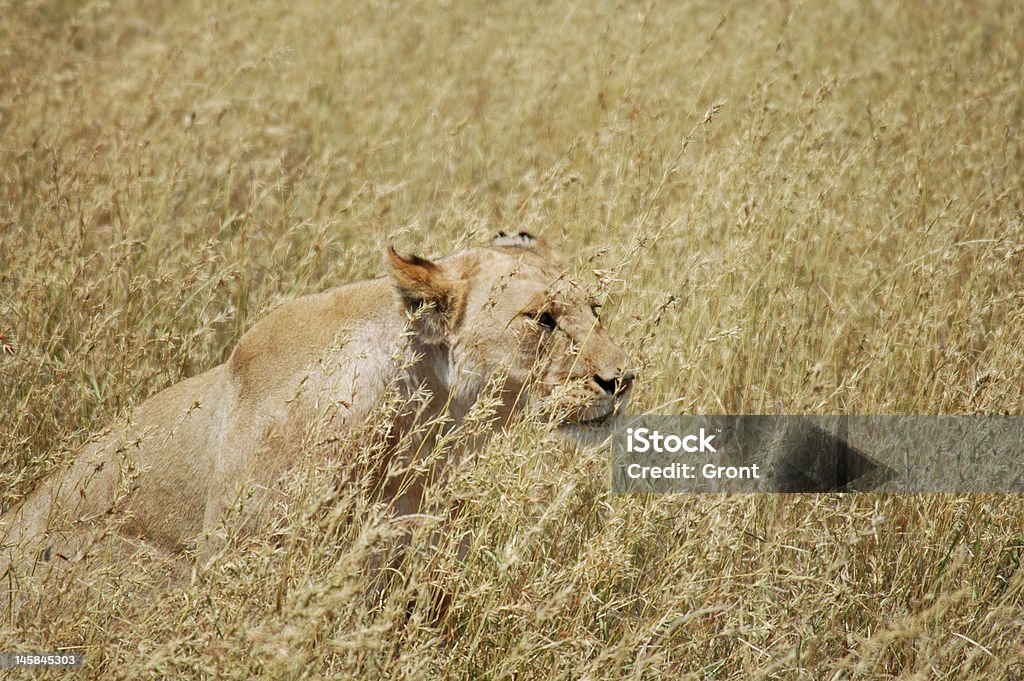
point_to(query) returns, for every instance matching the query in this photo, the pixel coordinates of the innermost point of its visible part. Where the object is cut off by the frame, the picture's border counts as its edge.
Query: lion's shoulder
(297, 334)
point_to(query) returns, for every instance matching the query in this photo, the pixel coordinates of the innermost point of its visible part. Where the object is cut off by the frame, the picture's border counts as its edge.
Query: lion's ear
(433, 302)
(520, 240)
(527, 242)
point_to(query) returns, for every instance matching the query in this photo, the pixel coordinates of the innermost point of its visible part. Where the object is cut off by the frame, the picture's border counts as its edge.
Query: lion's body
(189, 453)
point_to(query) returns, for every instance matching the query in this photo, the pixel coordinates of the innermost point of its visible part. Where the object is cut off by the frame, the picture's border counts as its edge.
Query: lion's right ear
(433, 302)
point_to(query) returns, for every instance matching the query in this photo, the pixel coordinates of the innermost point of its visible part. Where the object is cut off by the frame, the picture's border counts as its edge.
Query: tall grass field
(789, 207)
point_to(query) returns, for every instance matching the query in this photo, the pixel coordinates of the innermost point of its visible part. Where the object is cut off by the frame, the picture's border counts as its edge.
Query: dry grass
(797, 208)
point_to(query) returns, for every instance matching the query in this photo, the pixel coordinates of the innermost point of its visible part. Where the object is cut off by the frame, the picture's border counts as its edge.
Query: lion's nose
(617, 385)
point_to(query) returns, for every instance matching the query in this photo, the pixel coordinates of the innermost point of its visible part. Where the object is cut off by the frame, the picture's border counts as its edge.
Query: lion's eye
(596, 309)
(545, 319)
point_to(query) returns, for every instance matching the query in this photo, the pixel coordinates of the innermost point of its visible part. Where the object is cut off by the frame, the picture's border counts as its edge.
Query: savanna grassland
(788, 207)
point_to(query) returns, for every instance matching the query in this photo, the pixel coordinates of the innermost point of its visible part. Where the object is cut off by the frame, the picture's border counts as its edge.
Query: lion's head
(508, 315)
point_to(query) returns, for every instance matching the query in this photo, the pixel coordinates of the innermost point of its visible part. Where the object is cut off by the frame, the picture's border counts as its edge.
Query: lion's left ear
(433, 302)
(528, 242)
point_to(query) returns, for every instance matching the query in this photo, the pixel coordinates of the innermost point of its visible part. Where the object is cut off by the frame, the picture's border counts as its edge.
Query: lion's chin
(596, 415)
(590, 428)
(586, 434)
(601, 420)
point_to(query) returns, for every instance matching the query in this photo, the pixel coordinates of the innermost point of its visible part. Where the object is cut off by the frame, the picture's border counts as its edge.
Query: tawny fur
(444, 329)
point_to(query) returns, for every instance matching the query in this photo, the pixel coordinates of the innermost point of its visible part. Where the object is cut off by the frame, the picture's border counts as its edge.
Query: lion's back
(292, 339)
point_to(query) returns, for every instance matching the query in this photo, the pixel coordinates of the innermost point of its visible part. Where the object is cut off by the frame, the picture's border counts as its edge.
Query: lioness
(437, 334)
